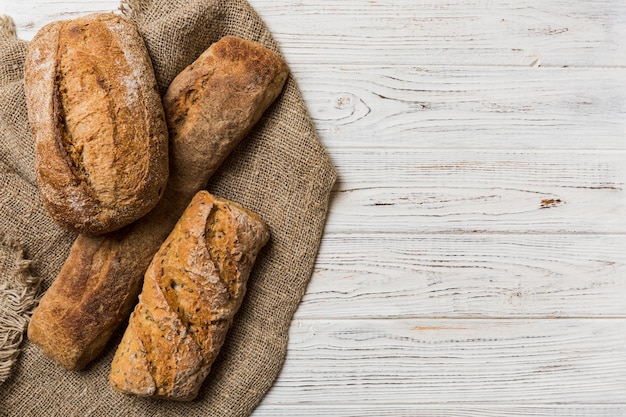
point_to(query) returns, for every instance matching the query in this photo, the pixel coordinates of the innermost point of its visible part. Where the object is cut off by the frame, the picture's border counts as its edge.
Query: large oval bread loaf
(98, 121)
(234, 81)
(193, 287)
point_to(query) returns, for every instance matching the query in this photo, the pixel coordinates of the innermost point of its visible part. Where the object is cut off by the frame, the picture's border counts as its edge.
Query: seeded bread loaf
(193, 287)
(98, 121)
(211, 106)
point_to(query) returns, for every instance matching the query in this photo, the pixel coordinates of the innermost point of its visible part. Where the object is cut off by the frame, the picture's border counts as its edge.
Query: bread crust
(65, 325)
(98, 122)
(230, 84)
(193, 288)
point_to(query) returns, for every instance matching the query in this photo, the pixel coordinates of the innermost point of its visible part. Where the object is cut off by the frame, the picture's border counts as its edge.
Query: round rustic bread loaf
(96, 114)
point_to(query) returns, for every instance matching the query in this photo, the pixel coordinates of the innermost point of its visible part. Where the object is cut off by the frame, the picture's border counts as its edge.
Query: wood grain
(381, 276)
(467, 107)
(433, 361)
(453, 32)
(433, 410)
(32, 15)
(428, 191)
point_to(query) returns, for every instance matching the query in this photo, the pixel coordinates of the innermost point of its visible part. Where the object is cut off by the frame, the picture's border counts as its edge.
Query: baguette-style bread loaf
(230, 85)
(99, 282)
(193, 287)
(98, 121)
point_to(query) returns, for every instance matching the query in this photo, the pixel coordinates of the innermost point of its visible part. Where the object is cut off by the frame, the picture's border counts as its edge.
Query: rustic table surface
(474, 259)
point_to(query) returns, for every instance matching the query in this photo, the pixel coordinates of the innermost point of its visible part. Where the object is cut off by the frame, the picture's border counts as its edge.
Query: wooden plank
(467, 107)
(30, 15)
(431, 361)
(454, 32)
(377, 276)
(435, 191)
(397, 409)
(380, 32)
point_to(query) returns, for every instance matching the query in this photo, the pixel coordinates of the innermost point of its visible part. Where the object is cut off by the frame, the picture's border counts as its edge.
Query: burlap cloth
(281, 171)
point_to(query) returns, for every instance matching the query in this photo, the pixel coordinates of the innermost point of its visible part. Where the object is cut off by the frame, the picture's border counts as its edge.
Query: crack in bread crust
(192, 290)
(102, 133)
(101, 140)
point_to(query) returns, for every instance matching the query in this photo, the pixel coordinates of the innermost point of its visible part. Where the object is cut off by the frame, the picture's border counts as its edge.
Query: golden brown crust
(220, 95)
(65, 325)
(194, 286)
(99, 126)
(77, 315)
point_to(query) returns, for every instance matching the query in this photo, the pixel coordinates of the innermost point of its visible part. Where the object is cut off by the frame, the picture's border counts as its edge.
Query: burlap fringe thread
(19, 292)
(7, 27)
(129, 10)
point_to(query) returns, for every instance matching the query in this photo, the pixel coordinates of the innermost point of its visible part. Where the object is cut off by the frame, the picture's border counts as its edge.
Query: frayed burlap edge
(18, 288)
(19, 292)
(129, 10)
(7, 27)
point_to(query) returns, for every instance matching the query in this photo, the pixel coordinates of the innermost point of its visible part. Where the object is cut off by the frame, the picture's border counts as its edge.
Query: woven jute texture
(281, 171)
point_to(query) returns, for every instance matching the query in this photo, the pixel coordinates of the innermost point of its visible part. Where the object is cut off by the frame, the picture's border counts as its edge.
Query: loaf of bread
(230, 85)
(193, 287)
(98, 122)
(99, 282)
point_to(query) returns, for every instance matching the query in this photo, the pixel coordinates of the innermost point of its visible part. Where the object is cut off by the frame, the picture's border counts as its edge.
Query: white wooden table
(474, 261)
